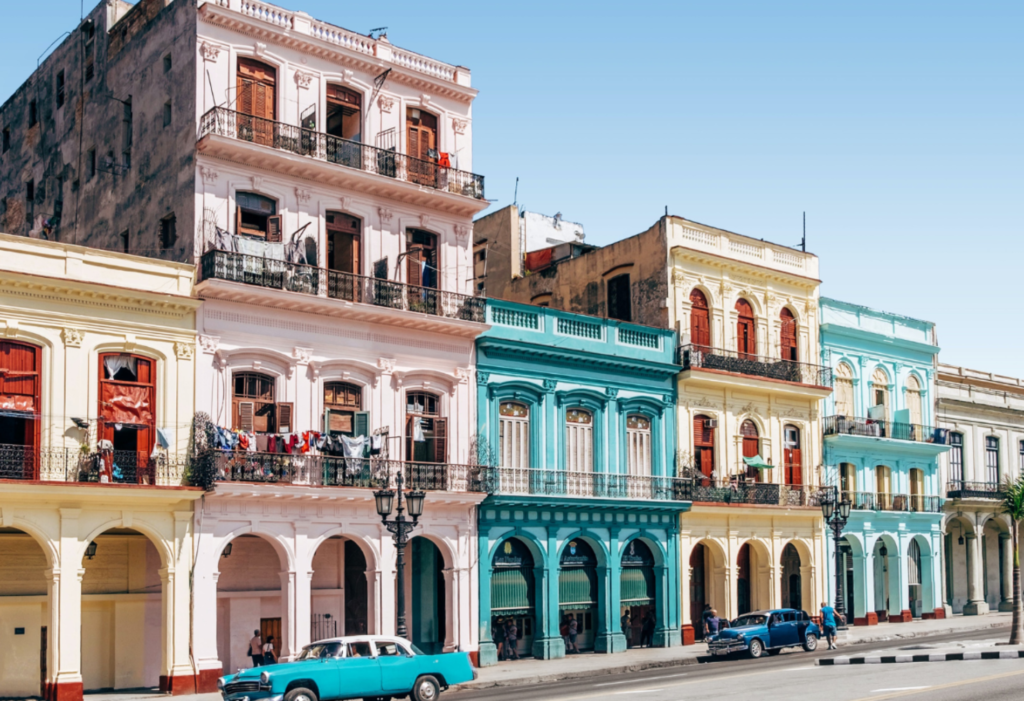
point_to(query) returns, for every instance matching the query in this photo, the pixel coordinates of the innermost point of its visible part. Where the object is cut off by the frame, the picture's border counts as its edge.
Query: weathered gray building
(99, 143)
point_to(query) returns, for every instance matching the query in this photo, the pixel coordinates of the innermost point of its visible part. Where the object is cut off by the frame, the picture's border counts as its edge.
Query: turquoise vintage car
(766, 631)
(368, 667)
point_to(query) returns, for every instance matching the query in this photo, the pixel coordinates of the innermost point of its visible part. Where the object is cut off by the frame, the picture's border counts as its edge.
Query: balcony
(332, 160)
(360, 473)
(917, 433)
(693, 357)
(510, 481)
(883, 501)
(974, 490)
(70, 465)
(740, 493)
(315, 284)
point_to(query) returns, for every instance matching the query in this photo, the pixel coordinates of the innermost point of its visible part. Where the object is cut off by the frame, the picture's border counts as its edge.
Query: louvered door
(700, 323)
(256, 84)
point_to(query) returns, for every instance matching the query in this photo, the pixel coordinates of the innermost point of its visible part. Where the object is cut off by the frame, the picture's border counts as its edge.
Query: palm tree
(1013, 506)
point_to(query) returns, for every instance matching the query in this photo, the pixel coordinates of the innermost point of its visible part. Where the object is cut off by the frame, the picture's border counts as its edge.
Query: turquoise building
(882, 452)
(576, 414)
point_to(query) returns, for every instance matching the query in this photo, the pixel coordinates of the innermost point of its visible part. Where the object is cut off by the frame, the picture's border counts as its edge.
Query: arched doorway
(746, 343)
(851, 587)
(915, 578)
(744, 580)
(751, 447)
(637, 590)
(122, 612)
(996, 566)
(792, 582)
(513, 594)
(886, 572)
(578, 589)
(24, 614)
(249, 598)
(338, 589)
(700, 322)
(426, 592)
(959, 532)
(19, 410)
(787, 335)
(699, 590)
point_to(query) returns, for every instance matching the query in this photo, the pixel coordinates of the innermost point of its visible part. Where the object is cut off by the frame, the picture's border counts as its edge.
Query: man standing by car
(711, 624)
(828, 624)
(256, 649)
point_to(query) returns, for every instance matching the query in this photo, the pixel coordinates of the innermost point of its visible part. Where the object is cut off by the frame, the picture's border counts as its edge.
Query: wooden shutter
(701, 435)
(794, 473)
(238, 221)
(245, 416)
(745, 341)
(700, 324)
(409, 452)
(413, 262)
(440, 440)
(414, 142)
(284, 411)
(274, 228)
(362, 424)
(707, 461)
(787, 340)
(243, 103)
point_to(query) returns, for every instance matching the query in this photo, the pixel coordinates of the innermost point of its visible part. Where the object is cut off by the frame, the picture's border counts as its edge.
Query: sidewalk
(530, 671)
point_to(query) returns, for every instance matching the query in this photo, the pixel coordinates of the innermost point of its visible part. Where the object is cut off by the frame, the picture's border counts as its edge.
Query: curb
(569, 676)
(893, 635)
(936, 657)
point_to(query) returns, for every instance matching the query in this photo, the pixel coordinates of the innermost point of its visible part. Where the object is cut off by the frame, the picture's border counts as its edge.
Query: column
(975, 606)
(452, 603)
(289, 593)
(550, 645)
(204, 627)
(862, 599)
(672, 585)
(1005, 572)
(682, 560)
(900, 564)
(377, 623)
(609, 633)
(64, 663)
(488, 654)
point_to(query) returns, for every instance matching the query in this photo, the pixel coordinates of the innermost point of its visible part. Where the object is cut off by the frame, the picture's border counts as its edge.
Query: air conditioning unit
(710, 423)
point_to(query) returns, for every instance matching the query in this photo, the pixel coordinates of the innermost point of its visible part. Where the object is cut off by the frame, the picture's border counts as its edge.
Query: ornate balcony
(110, 467)
(755, 493)
(526, 481)
(884, 501)
(694, 357)
(324, 157)
(329, 471)
(917, 433)
(273, 274)
(974, 490)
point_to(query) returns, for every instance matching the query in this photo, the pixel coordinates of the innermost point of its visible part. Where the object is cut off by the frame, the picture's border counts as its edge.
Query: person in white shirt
(269, 656)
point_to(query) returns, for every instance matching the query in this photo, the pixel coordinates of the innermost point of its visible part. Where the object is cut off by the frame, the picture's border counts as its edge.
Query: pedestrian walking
(828, 625)
(498, 636)
(573, 632)
(712, 624)
(512, 639)
(269, 654)
(256, 649)
(627, 628)
(647, 631)
(704, 620)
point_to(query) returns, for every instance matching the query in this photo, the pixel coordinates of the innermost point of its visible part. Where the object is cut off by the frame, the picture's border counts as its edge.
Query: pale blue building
(881, 450)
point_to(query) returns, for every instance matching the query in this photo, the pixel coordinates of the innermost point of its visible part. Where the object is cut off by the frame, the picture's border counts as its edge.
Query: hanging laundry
(443, 160)
(376, 444)
(417, 431)
(262, 441)
(104, 445)
(354, 451)
(163, 437)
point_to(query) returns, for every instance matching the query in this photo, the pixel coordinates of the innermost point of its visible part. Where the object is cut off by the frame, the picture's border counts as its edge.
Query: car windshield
(317, 650)
(416, 650)
(751, 620)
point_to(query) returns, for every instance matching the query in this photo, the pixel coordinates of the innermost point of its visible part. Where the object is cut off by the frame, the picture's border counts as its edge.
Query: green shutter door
(511, 591)
(637, 585)
(577, 588)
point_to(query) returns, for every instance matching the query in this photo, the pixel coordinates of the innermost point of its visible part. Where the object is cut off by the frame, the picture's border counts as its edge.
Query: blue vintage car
(767, 631)
(355, 667)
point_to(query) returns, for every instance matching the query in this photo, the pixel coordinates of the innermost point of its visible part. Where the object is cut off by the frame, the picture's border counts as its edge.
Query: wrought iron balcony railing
(527, 481)
(72, 465)
(851, 426)
(329, 471)
(974, 490)
(332, 149)
(694, 356)
(306, 279)
(760, 493)
(884, 501)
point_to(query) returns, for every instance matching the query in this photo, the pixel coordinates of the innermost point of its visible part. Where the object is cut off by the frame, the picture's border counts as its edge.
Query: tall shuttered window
(787, 335)
(844, 391)
(992, 459)
(638, 445)
(426, 431)
(956, 457)
(256, 101)
(704, 444)
(514, 434)
(912, 393)
(700, 320)
(579, 440)
(746, 342)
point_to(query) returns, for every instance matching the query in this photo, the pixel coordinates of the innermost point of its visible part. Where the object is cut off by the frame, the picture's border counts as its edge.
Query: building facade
(577, 415)
(96, 403)
(336, 276)
(882, 451)
(984, 415)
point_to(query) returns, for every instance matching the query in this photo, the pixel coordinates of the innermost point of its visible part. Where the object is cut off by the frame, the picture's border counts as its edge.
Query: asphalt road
(792, 674)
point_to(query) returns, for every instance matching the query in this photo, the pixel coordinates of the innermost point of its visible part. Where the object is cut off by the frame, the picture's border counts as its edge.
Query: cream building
(96, 401)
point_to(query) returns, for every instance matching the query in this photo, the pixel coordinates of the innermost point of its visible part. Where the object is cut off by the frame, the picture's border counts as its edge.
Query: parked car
(354, 667)
(767, 631)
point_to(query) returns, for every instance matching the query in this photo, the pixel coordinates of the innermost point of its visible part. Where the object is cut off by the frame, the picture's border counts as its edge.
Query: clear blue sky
(897, 126)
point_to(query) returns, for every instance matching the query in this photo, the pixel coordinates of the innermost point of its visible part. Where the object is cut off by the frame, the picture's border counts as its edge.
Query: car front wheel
(810, 642)
(300, 694)
(426, 689)
(756, 649)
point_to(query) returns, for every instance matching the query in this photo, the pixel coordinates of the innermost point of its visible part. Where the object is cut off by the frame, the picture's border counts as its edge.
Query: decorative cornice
(259, 49)
(386, 365)
(463, 374)
(482, 378)
(302, 356)
(72, 337)
(210, 52)
(208, 174)
(95, 295)
(386, 103)
(184, 351)
(303, 79)
(303, 196)
(459, 125)
(462, 232)
(208, 344)
(385, 214)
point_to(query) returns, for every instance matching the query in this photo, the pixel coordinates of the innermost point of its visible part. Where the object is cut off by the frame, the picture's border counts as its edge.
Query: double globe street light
(400, 528)
(836, 514)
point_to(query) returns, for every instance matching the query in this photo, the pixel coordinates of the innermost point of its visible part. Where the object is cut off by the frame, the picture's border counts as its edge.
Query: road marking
(951, 685)
(901, 688)
(642, 681)
(637, 691)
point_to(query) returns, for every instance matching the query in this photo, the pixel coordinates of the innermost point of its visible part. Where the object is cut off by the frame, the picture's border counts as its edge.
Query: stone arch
(804, 596)
(536, 547)
(28, 568)
(753, 299)
(596, 543)
(660, 556)
(705, 566)
(166, 556)
(284, 550)
(886, 574)
(53, 558)
(363, 542)
(753, 564)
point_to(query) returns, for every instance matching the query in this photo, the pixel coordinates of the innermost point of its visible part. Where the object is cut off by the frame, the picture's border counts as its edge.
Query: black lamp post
(836, 514)
(400, 529)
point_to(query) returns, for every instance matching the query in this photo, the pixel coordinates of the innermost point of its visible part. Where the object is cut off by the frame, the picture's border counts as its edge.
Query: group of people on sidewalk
(505, 634)
(262, 653)
(646, 630)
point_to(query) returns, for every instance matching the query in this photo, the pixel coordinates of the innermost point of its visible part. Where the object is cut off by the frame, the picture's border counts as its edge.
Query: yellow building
(96, 403)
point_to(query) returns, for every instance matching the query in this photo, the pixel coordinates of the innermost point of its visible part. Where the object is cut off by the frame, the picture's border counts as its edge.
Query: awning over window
(637, 585)
(758, 462)
(511, 590)
(577, 588)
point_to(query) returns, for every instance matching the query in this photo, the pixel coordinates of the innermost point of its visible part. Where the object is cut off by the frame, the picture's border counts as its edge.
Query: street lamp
(400, 529)
(836, 514)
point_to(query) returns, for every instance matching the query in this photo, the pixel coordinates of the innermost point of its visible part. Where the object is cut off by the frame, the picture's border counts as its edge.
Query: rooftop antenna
(803, 239)
(515, 198)
(379, 31)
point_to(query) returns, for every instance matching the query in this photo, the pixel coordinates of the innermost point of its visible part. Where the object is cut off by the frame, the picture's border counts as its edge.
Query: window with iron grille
(992, 459)
(956, 457)
(514, 434)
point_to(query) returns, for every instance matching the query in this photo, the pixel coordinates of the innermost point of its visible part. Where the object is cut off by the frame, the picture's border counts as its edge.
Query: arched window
(751, 446)
(128, 414)
(704, 444)
(700, 320)
(256, 97)
(791, 456)
(844, 391)
(253, 405)
(579, 440)
(787, 335)
(514, 434)
(912, 394)
(638, 444)
(746, 342)
(880, 395)
(426, 433)
(343, 414)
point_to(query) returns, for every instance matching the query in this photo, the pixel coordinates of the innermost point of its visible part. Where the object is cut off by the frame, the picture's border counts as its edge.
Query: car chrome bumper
(727, 648)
